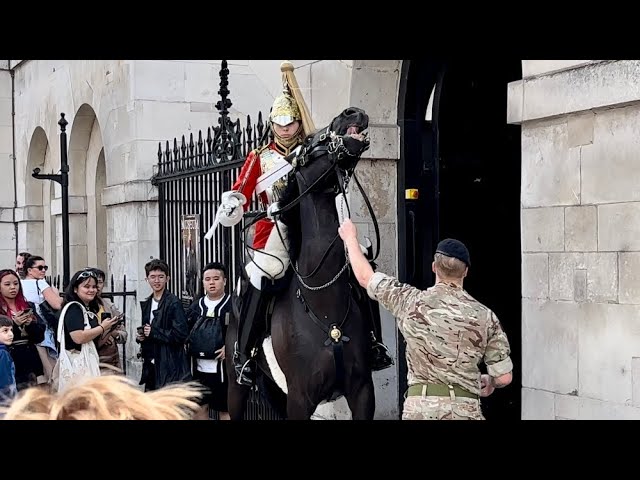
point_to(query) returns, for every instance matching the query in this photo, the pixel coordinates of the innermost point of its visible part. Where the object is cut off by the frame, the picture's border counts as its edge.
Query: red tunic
(246, 184)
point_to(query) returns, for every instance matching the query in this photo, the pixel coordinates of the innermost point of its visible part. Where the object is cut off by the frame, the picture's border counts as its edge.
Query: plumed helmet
(285, 110)
(290, 106)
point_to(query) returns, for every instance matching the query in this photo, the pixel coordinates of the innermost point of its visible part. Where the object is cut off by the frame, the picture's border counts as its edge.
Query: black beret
(454, 248)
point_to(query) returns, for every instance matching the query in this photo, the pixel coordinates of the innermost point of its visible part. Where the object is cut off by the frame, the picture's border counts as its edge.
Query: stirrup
(380, 356)
(243, 378)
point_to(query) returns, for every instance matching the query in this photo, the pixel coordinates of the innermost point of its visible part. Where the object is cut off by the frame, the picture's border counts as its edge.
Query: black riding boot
(251, 324)
(380, 358)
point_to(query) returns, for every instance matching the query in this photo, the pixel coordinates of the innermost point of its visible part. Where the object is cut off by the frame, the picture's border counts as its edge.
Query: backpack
(50, 315)
(207, 334)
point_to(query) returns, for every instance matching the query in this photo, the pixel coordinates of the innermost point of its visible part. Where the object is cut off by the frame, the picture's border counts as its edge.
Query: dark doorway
(462, 157)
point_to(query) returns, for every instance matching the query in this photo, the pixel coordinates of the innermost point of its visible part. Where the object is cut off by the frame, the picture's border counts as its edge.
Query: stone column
(77, 234)
(371, 85)
(30, 226)
(7, 195)
(132, 240)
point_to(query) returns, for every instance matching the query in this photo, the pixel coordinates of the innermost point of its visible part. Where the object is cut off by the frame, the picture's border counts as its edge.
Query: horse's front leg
(237, 396)
(299, 406)
(362, 400)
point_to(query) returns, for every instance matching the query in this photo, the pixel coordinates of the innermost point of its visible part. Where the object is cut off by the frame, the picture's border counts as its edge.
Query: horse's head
(352, 121)
(335, 148)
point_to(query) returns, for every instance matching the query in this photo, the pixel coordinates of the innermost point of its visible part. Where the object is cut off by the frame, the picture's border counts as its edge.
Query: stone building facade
(579, 216)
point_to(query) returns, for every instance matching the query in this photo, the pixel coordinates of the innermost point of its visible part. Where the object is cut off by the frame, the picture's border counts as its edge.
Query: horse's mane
(291, 218)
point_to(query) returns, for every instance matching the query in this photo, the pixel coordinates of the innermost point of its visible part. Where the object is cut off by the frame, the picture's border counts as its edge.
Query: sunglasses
(87, 274)
(42, 267)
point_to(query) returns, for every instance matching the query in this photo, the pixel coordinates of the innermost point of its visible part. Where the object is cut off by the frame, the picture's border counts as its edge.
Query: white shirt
(30, 290)
(154, 306)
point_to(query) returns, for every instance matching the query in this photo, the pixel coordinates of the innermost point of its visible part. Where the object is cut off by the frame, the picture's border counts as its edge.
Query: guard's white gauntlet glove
(230, 211)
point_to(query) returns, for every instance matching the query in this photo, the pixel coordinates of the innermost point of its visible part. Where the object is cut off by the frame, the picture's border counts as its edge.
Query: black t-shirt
(74, 320)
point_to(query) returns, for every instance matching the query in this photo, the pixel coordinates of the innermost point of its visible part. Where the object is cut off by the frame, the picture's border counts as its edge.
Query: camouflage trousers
(441, 408)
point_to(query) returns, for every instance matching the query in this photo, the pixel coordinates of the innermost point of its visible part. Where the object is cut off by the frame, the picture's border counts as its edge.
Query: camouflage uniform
(448, 334)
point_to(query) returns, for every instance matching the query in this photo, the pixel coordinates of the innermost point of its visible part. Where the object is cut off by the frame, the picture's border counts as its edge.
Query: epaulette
(259, 150)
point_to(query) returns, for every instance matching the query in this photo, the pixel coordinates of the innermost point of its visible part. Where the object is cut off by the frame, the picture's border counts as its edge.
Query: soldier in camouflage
(448, 334)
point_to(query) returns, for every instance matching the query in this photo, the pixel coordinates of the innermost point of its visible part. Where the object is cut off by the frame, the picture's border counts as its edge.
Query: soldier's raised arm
(398, 298)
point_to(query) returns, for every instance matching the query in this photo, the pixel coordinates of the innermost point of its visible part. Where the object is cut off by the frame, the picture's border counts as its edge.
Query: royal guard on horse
(265, 172)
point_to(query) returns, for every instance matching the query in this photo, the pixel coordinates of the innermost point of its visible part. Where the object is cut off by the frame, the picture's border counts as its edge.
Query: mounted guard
(266, 172)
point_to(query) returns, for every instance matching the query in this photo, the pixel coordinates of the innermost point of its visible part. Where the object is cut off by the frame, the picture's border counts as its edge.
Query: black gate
(191, 178)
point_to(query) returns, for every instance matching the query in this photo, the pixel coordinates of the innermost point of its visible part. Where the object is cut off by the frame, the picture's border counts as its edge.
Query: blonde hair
(449, 267)
(109, 397)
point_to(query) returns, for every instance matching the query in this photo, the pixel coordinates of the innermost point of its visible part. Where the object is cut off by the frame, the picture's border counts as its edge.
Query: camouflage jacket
(448, 332)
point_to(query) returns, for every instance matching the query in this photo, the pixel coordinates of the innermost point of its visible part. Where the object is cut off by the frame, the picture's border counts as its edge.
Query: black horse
(319, 336)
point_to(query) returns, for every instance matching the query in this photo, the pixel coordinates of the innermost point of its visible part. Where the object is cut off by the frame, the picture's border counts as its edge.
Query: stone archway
(30, 216)
(85, 147)
(97, 213)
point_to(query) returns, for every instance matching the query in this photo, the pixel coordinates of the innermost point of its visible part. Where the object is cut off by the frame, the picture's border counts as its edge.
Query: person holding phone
(107, 344)
(28, 330)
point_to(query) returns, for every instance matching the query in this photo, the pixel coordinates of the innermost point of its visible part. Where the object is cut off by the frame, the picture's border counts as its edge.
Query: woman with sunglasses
(79, 327)
(36, 290)
(28, 330)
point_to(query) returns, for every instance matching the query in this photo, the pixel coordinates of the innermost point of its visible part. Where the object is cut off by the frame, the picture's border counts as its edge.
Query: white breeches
(264, 264)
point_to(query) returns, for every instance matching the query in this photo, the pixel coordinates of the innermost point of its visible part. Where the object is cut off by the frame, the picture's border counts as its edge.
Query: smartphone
(28, 311)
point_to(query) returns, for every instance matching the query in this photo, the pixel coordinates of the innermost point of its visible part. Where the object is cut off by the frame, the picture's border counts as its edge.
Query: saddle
(270, 289)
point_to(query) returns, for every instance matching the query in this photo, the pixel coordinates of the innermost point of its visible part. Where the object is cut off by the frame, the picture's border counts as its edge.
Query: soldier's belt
(438, 390)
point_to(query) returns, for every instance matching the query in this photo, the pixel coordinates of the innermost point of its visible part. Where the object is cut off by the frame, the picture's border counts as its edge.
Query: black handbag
(48, 313)
(206, 337)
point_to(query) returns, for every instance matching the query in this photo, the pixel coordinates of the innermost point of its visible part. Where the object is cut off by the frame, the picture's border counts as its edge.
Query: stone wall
(580, 241)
